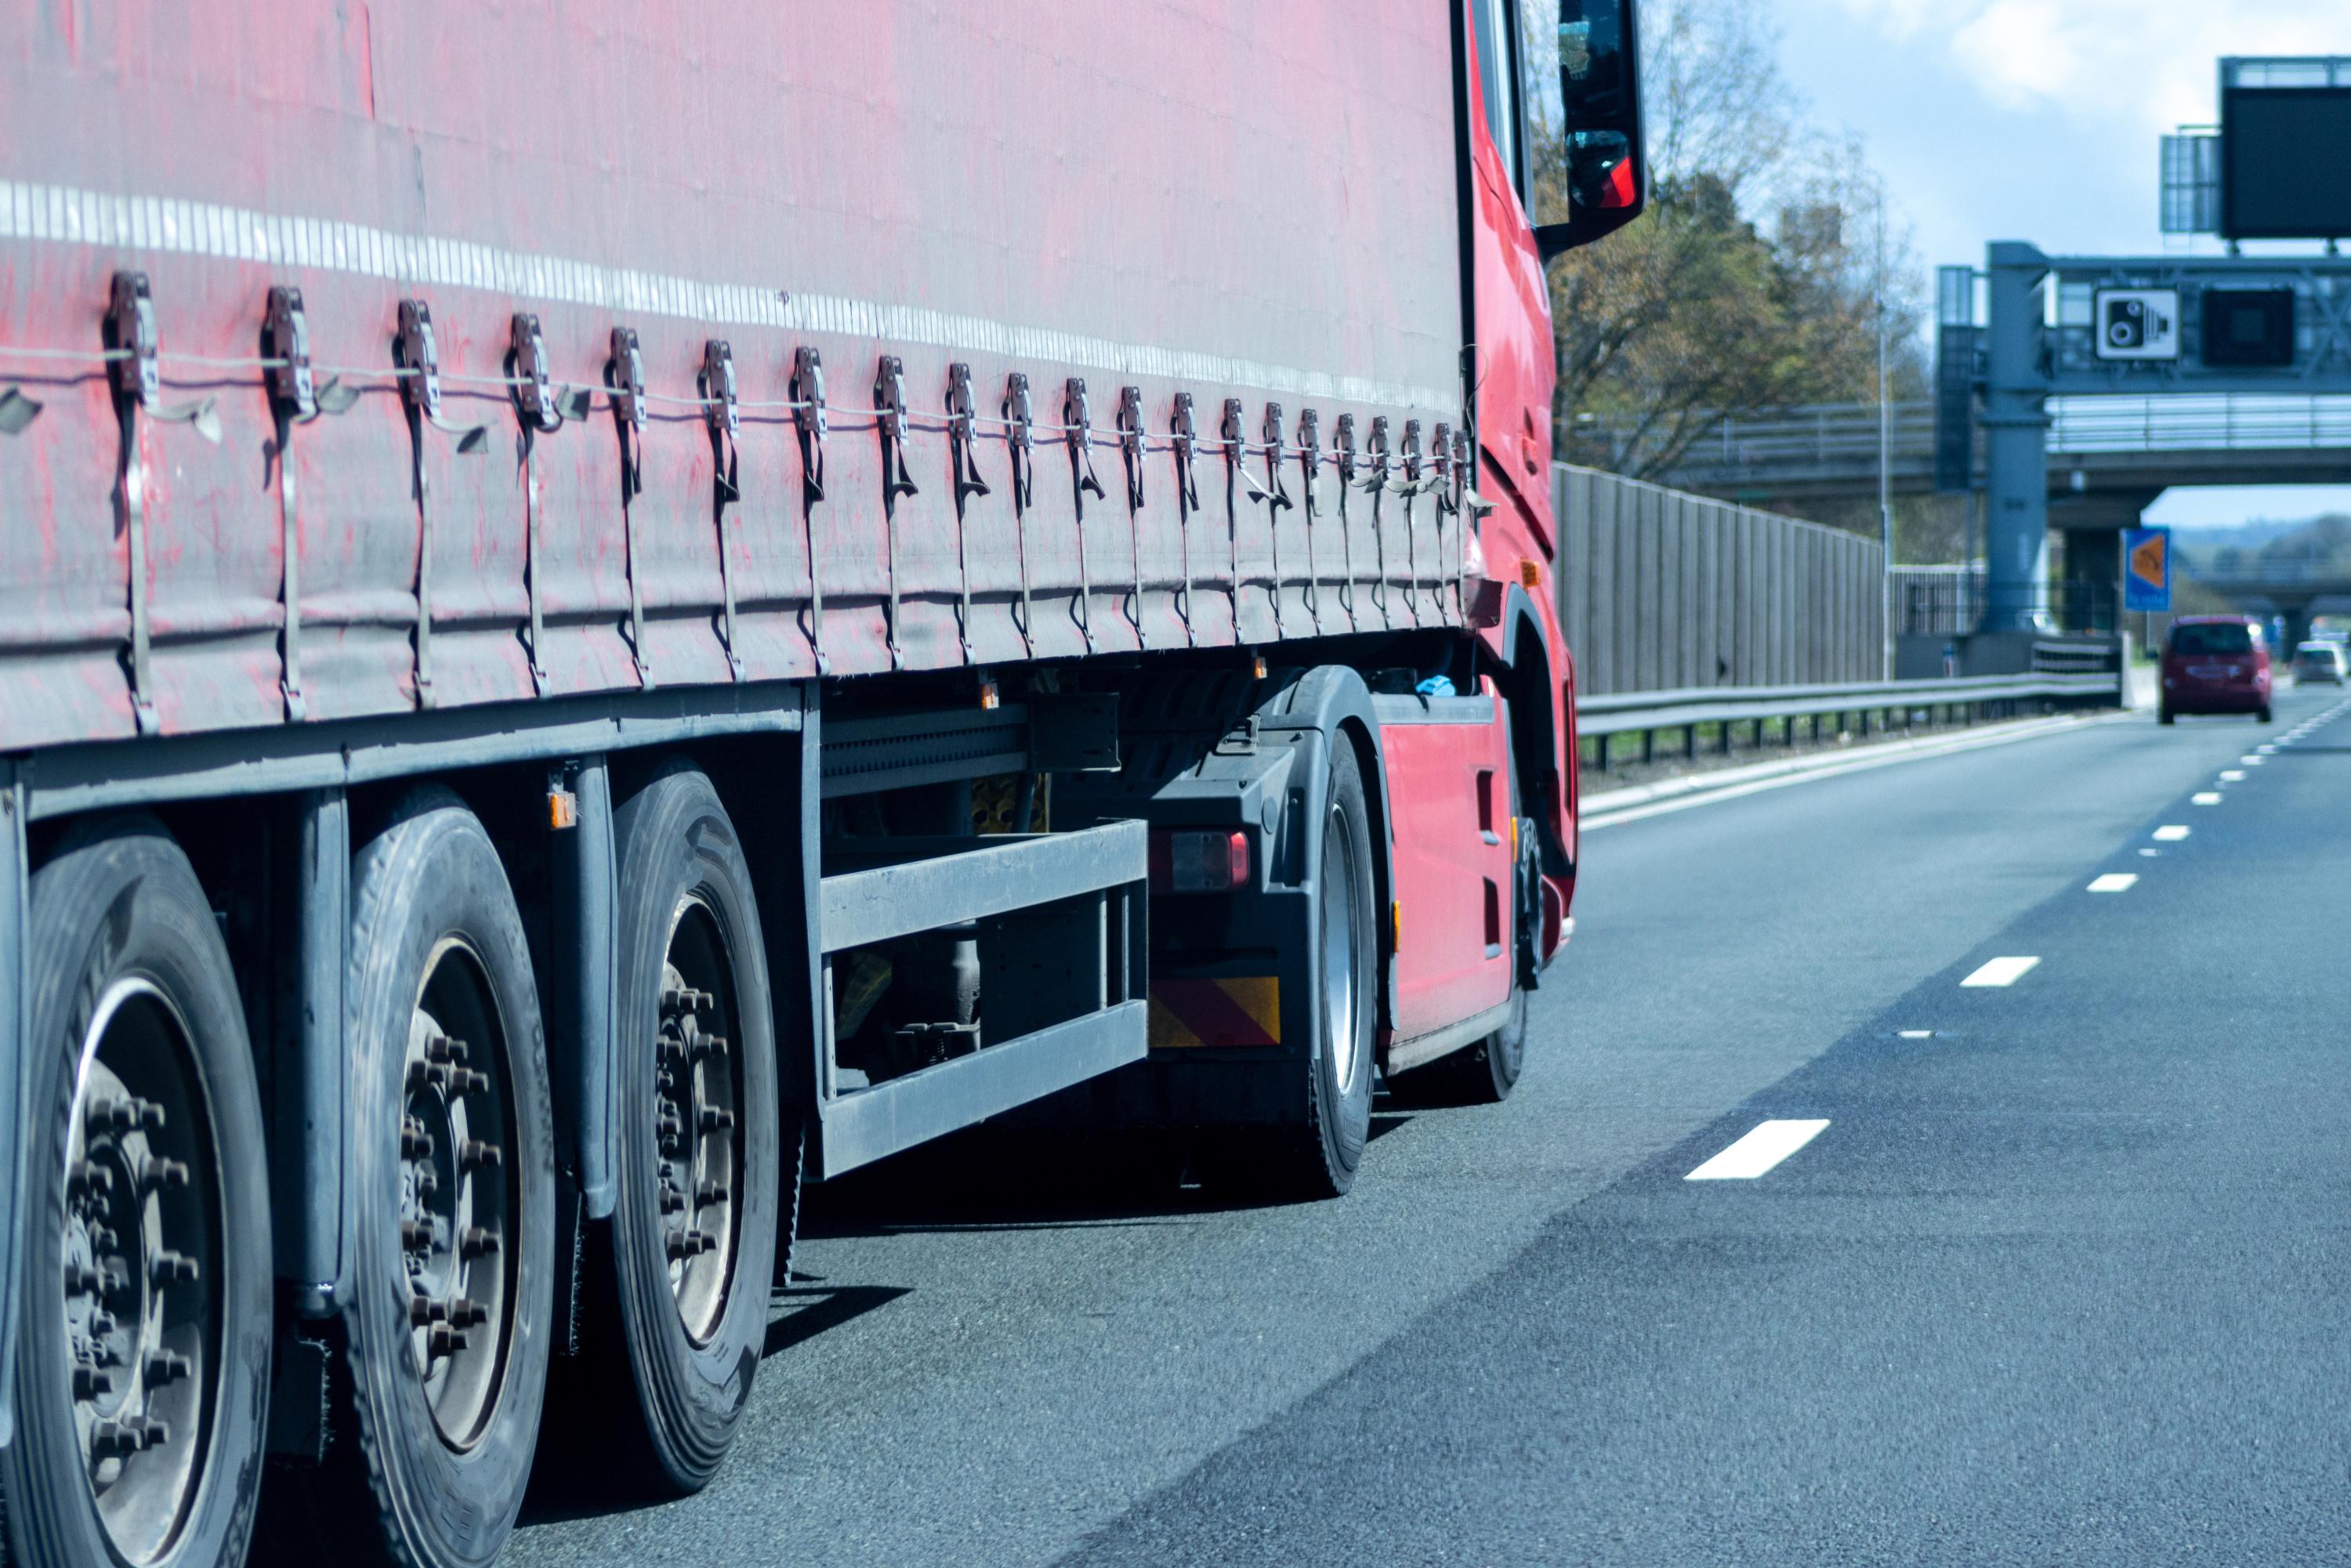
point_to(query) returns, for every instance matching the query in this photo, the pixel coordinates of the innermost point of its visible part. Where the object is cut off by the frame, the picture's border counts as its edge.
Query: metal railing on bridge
(1830, 447)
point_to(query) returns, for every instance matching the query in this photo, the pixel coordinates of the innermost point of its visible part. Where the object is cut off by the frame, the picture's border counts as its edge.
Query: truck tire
(1316, 1157)
(451, 1164)
(693, 1240)
(144, 1326)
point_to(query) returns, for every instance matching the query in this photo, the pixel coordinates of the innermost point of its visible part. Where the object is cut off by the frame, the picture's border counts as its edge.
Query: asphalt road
(2064, 1277)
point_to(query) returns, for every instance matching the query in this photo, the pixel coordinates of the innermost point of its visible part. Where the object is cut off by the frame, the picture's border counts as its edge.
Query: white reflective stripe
(1759, 1151)
(31, 211)
(2000, 972)
(2113, 881)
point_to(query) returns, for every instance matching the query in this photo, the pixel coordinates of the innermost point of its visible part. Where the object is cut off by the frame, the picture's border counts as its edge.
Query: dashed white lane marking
(2265, 750)
(1757, 1152)
(2151, 854)
(1913, 1034)
(2113, 881)
(2232, 775)
(2253, 761)
(2170, 832)
(2205, 797)
(2000, 972)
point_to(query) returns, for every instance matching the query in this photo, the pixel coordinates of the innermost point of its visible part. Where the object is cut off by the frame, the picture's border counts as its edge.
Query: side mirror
(1598, 161)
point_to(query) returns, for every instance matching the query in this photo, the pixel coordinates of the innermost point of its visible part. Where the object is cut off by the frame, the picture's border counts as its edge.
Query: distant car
(2314, 661)
(2215, 664)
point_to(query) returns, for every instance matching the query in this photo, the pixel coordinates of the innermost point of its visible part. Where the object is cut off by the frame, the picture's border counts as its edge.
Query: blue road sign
(2147, 569)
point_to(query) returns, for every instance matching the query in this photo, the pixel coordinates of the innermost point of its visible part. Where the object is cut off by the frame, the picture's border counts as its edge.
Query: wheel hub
(453, 1202)
(695, 1121)
(138, 1267)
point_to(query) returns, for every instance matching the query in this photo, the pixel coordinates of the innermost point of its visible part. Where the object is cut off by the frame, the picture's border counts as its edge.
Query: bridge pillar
(2094, 579)
(2016, 422)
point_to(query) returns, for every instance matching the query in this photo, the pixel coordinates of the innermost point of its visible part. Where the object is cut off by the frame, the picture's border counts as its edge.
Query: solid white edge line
(2113, 881)
(1764, 1147)
(1697, 793)
(2005, 971)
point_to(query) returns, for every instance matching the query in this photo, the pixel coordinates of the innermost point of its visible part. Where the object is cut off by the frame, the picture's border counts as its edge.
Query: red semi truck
(608, 609)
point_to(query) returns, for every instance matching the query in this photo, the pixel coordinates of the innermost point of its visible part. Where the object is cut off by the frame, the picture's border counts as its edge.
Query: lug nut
(476, 1154)
(416, 1235)
(478, 1243)
(424, 1075)
(709, 1046)
(671, 1048)
(102, 1325)
(468, 1081)
(672, 1200)
(423, 1312)
(687, 1244)
(165, 1367)
(89, 1177)
(168, 1269)
(443, 1341)
(154, 1434)
(440, 1047)
(82, 1280)
(114, 1441)
(465, 1313)
(427, 1184)
(714, 1120)
(168, 1175)
(413, 1143)
(88, 1383)
(710, 1192)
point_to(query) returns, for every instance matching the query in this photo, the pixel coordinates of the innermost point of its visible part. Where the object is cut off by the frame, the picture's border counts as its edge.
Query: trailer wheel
(694, 1238)
(451, 1158)
(1316, 1157)
(142, 1364)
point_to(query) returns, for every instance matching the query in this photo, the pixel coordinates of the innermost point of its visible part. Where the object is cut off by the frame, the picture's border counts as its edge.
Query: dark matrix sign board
(2285, 162)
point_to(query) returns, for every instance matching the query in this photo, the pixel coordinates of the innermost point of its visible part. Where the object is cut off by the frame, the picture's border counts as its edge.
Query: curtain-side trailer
(605, 609)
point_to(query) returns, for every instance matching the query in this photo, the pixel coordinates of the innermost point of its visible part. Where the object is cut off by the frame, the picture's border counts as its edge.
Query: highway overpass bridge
(2109, 457)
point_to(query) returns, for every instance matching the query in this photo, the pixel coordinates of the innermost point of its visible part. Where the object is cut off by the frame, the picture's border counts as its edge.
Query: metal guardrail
(1646, 713)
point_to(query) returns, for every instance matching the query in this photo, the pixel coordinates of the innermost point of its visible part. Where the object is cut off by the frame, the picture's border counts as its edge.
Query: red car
(2215, 664)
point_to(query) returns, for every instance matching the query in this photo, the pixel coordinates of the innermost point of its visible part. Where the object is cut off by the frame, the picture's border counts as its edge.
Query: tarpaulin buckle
(128, 331)
(722, 415)
(293, 399)
(1020, 448)
(810, 419)
(1183, 437)
(962, 433)
(1130, 442)
(890, 422)
(624, 386)
(534, 401)
(1077, 430)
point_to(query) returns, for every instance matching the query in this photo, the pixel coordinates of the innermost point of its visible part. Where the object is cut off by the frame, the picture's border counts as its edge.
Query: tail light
(1214, 861)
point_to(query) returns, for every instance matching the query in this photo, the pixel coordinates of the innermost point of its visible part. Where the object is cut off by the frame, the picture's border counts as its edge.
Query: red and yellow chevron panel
(1232, 1009)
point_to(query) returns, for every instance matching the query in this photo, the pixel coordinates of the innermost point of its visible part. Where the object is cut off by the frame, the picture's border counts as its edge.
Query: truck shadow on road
(1002, 1179)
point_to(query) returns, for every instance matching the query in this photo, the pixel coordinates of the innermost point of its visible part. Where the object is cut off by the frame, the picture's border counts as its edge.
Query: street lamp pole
(1885, 459)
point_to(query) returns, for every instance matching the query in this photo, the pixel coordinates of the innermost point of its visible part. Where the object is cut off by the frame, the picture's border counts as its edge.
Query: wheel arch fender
(1529, 681)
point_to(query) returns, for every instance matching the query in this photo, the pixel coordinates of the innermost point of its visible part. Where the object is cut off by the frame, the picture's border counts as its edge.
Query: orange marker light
(562, 808)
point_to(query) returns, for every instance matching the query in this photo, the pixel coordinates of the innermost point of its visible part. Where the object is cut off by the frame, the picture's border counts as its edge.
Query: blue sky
(2038, 120)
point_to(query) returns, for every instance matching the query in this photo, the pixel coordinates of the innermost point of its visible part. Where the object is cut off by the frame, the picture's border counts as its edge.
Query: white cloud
(2149, 62)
